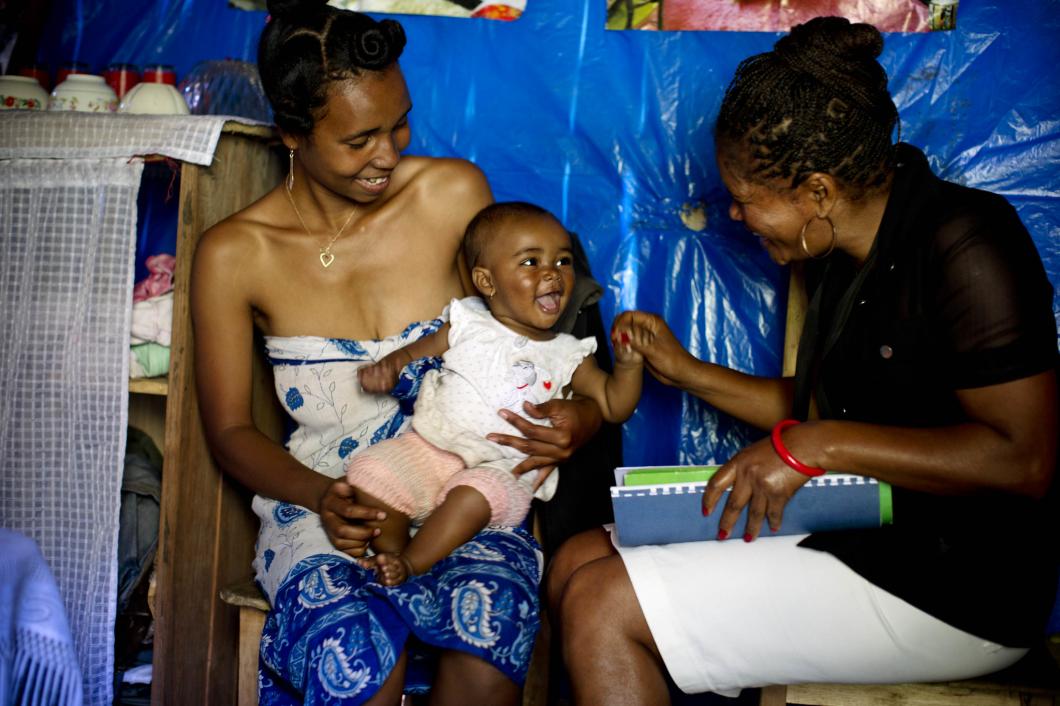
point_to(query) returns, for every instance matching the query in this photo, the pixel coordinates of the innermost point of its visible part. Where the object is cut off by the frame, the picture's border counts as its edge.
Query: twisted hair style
(489, 219)
(817, 103)
(308, 44)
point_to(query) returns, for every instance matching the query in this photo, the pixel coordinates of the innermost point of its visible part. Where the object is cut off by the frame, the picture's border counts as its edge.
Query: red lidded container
(43, 76)
(160, 73)
(122, 77)
(71, 67)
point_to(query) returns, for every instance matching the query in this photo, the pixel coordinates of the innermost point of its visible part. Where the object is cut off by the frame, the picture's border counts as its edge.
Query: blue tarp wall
(612, 131)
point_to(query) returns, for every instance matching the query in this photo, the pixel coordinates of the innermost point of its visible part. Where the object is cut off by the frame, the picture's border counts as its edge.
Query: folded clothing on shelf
(152, 320)
(148, 360)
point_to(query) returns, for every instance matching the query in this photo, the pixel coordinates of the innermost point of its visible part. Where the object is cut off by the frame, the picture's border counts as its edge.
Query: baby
(498, 352)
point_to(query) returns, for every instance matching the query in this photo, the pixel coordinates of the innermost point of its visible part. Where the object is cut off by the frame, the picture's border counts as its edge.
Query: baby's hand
(380, 378)
(390, 569)
(622, 339)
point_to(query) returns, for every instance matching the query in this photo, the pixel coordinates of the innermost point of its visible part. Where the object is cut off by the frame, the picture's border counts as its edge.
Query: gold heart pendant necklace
(326, 256)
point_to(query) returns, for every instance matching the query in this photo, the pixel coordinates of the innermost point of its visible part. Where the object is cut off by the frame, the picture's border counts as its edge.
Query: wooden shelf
(149, 386)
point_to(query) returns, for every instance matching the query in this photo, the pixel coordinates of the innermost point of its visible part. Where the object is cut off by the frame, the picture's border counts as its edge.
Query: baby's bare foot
(391, 569)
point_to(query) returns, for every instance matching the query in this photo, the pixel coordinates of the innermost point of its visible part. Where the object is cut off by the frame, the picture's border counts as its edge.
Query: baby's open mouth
(550, 302)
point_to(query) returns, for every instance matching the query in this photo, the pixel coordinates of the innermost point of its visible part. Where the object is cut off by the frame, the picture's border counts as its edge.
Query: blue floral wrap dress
(334, 633)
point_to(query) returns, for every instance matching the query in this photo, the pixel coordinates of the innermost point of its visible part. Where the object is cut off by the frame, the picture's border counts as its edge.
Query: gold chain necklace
(326, 256)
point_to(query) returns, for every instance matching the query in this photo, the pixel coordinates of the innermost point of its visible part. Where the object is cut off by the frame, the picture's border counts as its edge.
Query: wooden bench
(252, 607)
(1033, 681)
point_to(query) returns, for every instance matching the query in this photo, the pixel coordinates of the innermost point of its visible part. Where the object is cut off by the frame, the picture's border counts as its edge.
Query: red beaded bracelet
(785, 455)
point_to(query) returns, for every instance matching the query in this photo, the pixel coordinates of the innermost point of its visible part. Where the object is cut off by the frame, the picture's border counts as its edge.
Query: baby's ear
(483, 281)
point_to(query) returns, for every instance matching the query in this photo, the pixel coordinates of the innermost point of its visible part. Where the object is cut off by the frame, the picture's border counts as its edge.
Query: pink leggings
(413, 476)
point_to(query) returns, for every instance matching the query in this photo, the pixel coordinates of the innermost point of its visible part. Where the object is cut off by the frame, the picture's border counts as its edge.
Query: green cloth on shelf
(149, 360)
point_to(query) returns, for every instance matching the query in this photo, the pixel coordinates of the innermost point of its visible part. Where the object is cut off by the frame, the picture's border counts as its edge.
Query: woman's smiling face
(358, 139)
(774, 215)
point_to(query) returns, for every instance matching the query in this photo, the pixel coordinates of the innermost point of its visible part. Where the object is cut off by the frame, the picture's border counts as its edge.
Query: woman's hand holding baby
(345, 521)
(573, 423)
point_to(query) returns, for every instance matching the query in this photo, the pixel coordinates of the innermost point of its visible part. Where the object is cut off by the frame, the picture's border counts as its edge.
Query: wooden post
(207, 530)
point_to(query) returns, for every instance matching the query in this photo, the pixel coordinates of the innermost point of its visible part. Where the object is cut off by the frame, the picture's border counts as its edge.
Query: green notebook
(655, 475)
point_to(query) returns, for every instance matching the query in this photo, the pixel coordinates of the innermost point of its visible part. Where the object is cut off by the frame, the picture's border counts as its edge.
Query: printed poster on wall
(778, 15)
(483, 9)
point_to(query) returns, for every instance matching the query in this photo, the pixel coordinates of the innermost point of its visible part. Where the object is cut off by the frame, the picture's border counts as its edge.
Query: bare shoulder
(231, 255)
(448, 171)
(238, 233)
(448, 188)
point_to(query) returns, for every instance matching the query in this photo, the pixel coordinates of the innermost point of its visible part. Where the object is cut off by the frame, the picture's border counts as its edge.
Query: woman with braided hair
(322, 266)
(928, 360)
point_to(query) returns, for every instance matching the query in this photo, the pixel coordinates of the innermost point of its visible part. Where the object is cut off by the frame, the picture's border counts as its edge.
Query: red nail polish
(723, 534)
(747, 537)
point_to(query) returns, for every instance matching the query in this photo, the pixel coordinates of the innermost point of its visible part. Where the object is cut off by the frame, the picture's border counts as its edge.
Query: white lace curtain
(67, 240)
(68, 187)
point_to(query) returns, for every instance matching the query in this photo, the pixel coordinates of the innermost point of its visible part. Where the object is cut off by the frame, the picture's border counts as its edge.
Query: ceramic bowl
(153, 99)
(84, 92)
(22, 93)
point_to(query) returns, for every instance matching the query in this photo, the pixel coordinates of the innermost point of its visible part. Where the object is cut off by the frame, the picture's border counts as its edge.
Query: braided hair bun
(840, 55)
(817, 102)
(308, 44)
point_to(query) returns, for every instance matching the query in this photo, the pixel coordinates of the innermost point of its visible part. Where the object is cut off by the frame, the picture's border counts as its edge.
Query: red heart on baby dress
(547, 384)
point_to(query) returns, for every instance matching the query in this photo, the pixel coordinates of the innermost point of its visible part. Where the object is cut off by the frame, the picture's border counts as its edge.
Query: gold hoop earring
(290, 170)
(831, 245)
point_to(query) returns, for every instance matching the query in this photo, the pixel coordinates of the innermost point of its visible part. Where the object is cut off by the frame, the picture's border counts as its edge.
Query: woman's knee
(600, 615)
(463, 678)
(576, 552)
(597, 598)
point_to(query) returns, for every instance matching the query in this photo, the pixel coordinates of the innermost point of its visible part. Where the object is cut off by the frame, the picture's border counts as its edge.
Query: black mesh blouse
(952, 296)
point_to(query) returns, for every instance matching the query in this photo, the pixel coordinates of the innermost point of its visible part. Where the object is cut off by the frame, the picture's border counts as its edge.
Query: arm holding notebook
(1003, 429)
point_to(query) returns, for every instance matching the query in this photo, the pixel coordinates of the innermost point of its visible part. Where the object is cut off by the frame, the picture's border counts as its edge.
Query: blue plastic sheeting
(612, 131)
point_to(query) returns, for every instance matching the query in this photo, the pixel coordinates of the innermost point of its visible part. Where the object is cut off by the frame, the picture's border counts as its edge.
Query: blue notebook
(669, 512)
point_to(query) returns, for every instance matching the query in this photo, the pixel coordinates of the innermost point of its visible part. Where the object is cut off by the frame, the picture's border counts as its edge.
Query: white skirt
(729, 615)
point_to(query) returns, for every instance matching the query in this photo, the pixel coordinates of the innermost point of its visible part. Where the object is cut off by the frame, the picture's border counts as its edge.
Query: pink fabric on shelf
(160, 279)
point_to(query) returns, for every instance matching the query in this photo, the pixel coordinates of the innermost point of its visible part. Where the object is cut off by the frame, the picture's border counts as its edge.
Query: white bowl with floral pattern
(84, 92)
(22, 93)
